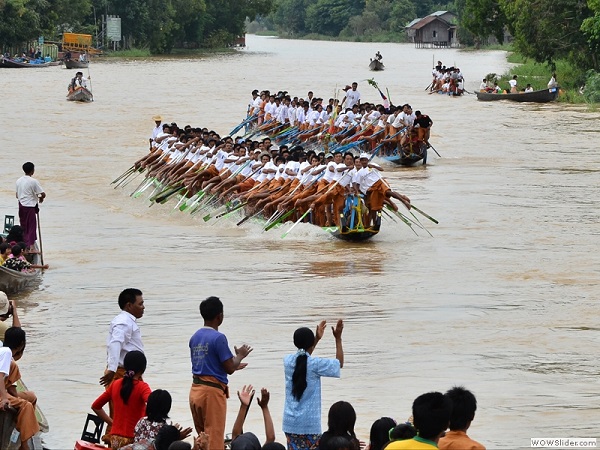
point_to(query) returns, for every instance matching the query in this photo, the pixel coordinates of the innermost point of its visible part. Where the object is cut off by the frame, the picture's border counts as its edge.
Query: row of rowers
(267, 181)
(297, 112)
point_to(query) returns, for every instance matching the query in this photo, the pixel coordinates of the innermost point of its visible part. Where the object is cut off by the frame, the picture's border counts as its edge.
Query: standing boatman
(29, 193)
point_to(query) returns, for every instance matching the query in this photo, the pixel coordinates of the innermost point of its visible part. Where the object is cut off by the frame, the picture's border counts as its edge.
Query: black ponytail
(299, 376)
(304, 339)
(135, 362)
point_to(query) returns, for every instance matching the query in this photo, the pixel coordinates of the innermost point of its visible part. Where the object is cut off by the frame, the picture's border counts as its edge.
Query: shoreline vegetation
(145, 53)
(570, 78)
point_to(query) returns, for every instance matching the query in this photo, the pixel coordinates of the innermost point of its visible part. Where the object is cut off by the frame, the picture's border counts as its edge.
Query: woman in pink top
(129, 396)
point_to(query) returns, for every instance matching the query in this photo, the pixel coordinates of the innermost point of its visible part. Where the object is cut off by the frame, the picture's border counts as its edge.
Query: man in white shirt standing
(29, 193)
(352, 96)
(158, 128)
(124, 336)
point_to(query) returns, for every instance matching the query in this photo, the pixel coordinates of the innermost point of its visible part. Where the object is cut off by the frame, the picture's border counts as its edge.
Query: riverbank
(135, 53)
(577, 86)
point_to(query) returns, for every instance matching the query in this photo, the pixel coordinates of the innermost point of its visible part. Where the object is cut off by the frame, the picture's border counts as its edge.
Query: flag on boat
(386, 102)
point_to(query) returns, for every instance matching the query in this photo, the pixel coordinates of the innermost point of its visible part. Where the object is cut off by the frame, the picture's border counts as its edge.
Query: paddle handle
(40, 236)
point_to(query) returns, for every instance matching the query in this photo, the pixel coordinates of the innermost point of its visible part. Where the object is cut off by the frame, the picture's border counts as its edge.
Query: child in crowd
(4, 252)
(248, 440)
(340, 422)
(380, 433)
(15, 261)
(157, 413)
(129, 396)
(402, 431)
(464, 406)
(431, 415)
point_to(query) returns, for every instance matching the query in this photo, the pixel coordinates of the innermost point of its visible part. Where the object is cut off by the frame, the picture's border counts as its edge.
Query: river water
(503, 298)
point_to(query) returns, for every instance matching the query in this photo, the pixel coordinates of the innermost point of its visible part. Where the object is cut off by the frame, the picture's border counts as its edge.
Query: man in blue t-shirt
(212, 361)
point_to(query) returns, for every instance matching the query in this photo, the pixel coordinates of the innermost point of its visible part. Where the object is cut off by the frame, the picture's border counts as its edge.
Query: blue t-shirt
(304, 416)
(208, 350)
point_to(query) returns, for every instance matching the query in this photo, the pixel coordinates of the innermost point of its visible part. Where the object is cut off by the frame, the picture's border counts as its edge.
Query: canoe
(409, 159)
(376, 65)
(541, 96)
(76, 64)
(80, 95)
(19, 64)
(12, 281)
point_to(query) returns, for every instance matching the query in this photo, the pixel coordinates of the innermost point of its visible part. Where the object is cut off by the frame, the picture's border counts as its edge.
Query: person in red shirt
(129, 396)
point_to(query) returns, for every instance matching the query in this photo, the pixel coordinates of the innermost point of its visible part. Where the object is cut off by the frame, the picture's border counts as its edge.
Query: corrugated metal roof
(413, 22)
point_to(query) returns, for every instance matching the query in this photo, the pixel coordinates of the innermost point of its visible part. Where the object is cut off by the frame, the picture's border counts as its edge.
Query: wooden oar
(280, 219)
(124, 174)
(436, 152)
(296, 223)
(248, 217)
(423, 213)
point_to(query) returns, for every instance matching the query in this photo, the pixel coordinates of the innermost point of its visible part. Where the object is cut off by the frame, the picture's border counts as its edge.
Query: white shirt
(123, 336)
(367, 177)
(513, 83)
(80, 82)
(330, 171)
(28, 189)
(157, 130)
(5, 359)
(352, 98)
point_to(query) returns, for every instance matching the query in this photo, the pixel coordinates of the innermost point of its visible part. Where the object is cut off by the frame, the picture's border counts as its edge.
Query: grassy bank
(568, 77)
(175, 53)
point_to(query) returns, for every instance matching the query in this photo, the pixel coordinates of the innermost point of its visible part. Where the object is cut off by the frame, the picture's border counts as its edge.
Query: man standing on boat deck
(29, 193)
(212, 361)
(124, 336)
(158, 128)
(352, 96)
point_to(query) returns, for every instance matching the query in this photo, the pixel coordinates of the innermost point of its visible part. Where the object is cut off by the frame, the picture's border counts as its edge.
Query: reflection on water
(503, 298)
(338, 268)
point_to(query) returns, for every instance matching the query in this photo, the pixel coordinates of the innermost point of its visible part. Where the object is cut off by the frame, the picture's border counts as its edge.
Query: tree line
(544, 30)
(159, 25)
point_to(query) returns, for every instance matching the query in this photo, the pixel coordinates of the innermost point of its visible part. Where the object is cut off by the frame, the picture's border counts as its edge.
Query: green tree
(402, 13)
(547, 30)
(482, 18)
(329, 17)
(591, 29)
(19, 22)
(289, 16)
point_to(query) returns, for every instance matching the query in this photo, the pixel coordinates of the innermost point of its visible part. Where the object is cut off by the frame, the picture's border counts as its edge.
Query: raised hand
(265, 396)
(320, 328)
(339, 327)
(246, 395)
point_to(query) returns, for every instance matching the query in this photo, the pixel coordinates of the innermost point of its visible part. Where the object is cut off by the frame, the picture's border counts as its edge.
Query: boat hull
(376, 65)
(12, 281)
(11, 64)
(80, 95)
(541, 96)
(409, 159)
(75, 64)
(352, 235)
